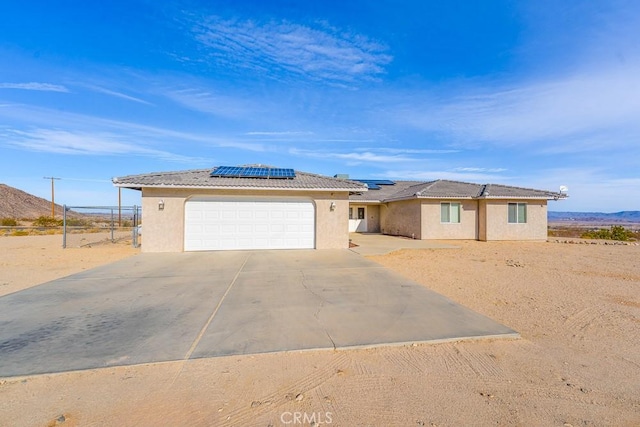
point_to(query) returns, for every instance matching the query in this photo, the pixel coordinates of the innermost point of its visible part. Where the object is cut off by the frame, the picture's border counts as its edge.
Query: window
(360, 213)
(517, 213)
(450, 212)
(350, 213)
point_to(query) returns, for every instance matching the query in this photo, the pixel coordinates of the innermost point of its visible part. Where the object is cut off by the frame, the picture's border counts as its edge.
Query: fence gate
(94, 225)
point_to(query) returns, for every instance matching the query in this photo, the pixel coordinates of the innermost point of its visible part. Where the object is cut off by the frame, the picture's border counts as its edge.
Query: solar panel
(376, 181)
(374, 184)
(281, 173)
(252, 172)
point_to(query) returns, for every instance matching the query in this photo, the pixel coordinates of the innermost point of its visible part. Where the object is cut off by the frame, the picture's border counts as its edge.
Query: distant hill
(623, 217)
(15, 203)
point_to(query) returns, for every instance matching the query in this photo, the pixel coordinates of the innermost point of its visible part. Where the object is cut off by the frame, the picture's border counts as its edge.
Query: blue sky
(536, 94)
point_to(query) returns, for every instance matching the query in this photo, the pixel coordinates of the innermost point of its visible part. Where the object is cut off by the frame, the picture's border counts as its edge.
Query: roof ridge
(425, 184)
(520, 188)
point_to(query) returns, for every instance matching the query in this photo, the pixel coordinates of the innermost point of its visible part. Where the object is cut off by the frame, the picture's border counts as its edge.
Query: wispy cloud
(321, 52)
(209, 102)
(44, 87)
(428, 175)
(81, 143)
(473, 169)
(133, 133)
(414, 150)
(594, 109)
(354, 156)
(117, 94)
(281, 133)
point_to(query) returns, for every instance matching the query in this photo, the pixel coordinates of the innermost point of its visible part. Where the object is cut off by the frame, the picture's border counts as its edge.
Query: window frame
(520, 210)
(451, 205)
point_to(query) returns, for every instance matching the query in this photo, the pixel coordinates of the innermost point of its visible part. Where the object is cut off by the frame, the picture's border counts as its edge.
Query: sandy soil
(26, 261)
(578, 362)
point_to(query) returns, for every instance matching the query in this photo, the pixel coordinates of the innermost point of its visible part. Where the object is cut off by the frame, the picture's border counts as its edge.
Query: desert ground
(577, 308)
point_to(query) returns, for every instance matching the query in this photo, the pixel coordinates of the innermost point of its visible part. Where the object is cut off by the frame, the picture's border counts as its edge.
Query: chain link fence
(84, 226)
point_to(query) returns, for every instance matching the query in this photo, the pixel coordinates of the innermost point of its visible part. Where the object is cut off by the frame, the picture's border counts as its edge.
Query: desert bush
(565, 231)
(616, 232)
(20, 233)
(9, 222)
(47, 221)
(77, 222)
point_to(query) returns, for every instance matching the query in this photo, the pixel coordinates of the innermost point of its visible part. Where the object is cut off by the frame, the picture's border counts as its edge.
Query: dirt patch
(27, 261)
(577, 364)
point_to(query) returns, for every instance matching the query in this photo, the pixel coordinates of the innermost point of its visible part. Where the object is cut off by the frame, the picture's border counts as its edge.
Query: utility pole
(53, 202)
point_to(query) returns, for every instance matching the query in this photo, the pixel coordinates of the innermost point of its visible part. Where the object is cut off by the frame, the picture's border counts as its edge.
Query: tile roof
(199, 178)
(496, 191)
(446, 189)
(384, 192)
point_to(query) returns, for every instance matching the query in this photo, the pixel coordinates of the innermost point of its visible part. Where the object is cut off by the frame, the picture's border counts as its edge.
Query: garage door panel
(262, 228)
(216, 224)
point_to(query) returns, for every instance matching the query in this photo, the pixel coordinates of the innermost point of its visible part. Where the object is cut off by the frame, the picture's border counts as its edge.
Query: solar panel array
(252, 172)
(374, 184)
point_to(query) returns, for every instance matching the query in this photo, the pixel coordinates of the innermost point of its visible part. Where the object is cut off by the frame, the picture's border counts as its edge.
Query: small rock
(61, 419)
(299, 397)
(512, 263)
(255, 404)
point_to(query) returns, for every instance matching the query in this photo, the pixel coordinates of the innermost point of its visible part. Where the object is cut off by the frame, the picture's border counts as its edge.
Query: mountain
(17, 204)
(624, 216)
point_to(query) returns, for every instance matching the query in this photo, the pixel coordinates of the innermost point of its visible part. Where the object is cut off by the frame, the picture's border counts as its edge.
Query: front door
(357, 219)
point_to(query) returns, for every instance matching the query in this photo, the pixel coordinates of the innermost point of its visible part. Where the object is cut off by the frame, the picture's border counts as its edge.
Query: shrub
(47, 221)
(20, 233)
(76, 222)
(9, 222)
(620, 233)
(617, 232)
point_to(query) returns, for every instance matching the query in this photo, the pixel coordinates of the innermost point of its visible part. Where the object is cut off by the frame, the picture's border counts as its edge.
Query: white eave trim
(365, 202)
(520, 198)
(202, 187)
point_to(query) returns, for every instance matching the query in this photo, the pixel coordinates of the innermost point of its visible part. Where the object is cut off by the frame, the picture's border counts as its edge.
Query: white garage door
(232, 224)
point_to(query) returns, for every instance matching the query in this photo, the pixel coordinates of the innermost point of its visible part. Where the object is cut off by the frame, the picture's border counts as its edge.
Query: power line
(87, 179)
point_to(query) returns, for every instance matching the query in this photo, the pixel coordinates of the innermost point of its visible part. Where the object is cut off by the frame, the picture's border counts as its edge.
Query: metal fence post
(64, 226)
(135, 226)
(112, 225)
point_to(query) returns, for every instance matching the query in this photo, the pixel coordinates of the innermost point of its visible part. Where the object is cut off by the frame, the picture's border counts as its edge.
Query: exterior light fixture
(161, 205)
(332, 206)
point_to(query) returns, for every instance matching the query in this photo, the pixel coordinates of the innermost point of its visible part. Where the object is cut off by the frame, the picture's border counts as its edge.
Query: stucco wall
(373, 218)
(401, 218)
(482, 220)
(498, 227)
(163, 230)
(433, 228)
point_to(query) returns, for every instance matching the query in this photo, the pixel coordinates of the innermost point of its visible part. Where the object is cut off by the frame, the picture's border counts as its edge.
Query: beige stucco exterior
(164, 229)
(402, 218)
(480, 219)
(497, 227)
(373, 218)
(433, 228)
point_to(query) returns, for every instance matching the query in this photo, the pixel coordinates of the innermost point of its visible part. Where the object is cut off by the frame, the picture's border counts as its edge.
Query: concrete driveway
(162, 307)
(380, 244)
